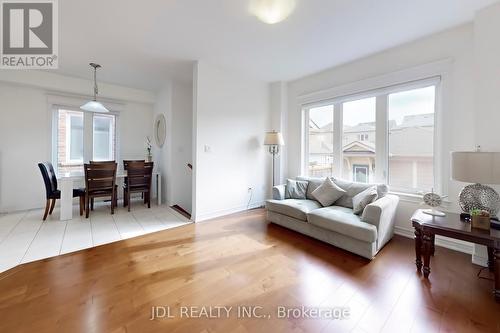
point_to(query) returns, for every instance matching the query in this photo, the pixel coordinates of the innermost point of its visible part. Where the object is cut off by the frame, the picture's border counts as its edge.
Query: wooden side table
(428, 226)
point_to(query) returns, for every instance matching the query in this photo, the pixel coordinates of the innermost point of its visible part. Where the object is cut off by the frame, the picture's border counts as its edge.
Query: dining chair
(100, 181)
(139, 176)
(116, 186)
(51, 191)
(125, 165)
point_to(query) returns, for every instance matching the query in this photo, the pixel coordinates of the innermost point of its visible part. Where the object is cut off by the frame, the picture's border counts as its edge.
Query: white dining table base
(66, 185)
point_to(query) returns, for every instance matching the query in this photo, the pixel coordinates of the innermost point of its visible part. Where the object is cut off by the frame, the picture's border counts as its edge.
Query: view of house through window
(71, 138)
(409, 133)
(358, 140)
(320, 160)
(411, 139)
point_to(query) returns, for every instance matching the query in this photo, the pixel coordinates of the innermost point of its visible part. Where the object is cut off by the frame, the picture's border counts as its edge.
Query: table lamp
(274, 140)
(478, 168)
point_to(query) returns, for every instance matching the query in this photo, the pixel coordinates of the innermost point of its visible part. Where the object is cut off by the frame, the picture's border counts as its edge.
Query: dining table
(67, 181)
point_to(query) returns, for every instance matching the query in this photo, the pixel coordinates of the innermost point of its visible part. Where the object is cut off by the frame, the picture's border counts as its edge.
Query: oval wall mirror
(160, 130)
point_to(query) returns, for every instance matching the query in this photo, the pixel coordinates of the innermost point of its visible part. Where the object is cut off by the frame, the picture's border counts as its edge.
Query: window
(69, 140)
(104, 137)
(363, 137)
(358, 152)
(411, 139)
(76, 142)
(386, 135)
(320, 161)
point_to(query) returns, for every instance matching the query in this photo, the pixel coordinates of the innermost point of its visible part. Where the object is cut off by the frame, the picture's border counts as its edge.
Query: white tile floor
(24, 237)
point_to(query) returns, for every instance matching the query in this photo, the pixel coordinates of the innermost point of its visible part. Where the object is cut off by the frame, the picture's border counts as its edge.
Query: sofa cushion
(295, 189)
(343, 221)
(327, 193)
(314, 183)
(293, 207)
(353, 188)
(363, 199)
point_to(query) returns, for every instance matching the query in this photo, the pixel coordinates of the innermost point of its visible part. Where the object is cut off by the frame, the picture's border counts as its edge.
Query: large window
(358, 140)
(411, 139)
(320, 159)
(76, 142)
(386, 135)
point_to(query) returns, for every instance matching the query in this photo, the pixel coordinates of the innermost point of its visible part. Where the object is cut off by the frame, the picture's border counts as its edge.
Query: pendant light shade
(94, 105)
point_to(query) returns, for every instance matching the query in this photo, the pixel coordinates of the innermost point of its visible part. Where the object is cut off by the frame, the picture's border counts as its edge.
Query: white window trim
(436, 73)
(71, 103)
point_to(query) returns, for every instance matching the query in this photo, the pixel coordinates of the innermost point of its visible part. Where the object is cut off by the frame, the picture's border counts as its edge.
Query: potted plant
(480, 219)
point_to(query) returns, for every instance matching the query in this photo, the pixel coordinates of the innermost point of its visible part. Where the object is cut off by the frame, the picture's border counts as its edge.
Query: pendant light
(94, 105)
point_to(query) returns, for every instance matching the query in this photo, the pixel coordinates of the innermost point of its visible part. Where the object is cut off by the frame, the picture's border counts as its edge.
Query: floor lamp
(274, 140)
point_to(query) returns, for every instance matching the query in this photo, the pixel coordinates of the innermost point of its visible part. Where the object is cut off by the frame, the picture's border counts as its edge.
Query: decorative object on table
(478, 168)
(94, 105)
(274, 140)
(160, 130)
(433, 200)
(480, 219)
(149, 147)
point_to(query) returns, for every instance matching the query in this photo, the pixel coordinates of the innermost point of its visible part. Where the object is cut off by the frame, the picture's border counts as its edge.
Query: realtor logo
(29, 34)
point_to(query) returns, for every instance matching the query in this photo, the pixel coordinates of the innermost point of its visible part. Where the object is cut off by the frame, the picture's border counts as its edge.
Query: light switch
(208, 149)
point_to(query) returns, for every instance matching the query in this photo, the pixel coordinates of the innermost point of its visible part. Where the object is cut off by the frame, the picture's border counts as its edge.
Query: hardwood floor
(241, 260)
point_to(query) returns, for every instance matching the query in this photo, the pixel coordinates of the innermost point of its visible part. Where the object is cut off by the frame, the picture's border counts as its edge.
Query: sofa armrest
(279, 192)
(381, 214)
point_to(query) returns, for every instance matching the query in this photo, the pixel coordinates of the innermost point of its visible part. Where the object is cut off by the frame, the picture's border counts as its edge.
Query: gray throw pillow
(327, 193)
(296, 189)
(363, 199)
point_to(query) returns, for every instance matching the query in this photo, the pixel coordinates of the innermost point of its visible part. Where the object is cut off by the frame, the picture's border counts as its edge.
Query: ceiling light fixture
(94, 105)
(272, 11)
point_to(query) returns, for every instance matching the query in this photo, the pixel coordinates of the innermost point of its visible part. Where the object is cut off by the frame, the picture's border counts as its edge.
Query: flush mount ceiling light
(272, 11)
(94, 105)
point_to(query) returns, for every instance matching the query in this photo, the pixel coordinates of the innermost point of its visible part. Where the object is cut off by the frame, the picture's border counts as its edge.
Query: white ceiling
(141, 43)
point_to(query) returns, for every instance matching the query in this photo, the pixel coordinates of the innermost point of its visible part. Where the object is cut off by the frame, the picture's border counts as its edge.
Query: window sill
(415, 198)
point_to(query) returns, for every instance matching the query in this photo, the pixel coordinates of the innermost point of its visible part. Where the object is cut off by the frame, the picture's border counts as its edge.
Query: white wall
(231, 114)
(25, 137)
(458, 112)
(182, 141)
(161, 156)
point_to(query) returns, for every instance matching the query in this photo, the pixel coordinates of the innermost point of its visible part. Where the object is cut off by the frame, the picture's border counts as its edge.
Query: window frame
(381, 94)
(88, 131)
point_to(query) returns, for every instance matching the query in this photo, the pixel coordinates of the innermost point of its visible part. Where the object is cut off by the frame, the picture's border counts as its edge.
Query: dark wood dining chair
(51, 191)
(139, 176)
(100, 181)
(116, 186)
(125, 165)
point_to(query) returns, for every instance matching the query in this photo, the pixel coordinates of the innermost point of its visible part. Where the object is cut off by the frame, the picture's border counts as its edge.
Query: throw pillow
(327, 193)
(363, 199)
(296, 189)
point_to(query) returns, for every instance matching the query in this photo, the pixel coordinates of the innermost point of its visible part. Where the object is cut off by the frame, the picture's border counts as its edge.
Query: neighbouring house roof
(359, 148)
(418, 120)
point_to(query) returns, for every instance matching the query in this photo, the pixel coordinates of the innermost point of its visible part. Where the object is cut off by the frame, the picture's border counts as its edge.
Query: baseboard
(224, 212)
(445, 242)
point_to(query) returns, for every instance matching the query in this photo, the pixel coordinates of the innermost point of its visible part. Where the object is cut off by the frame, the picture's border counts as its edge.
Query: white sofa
(363, 235)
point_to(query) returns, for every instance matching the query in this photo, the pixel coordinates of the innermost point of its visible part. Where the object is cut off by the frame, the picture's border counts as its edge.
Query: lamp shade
(94, 106)
(476, 167)
(274, 138)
